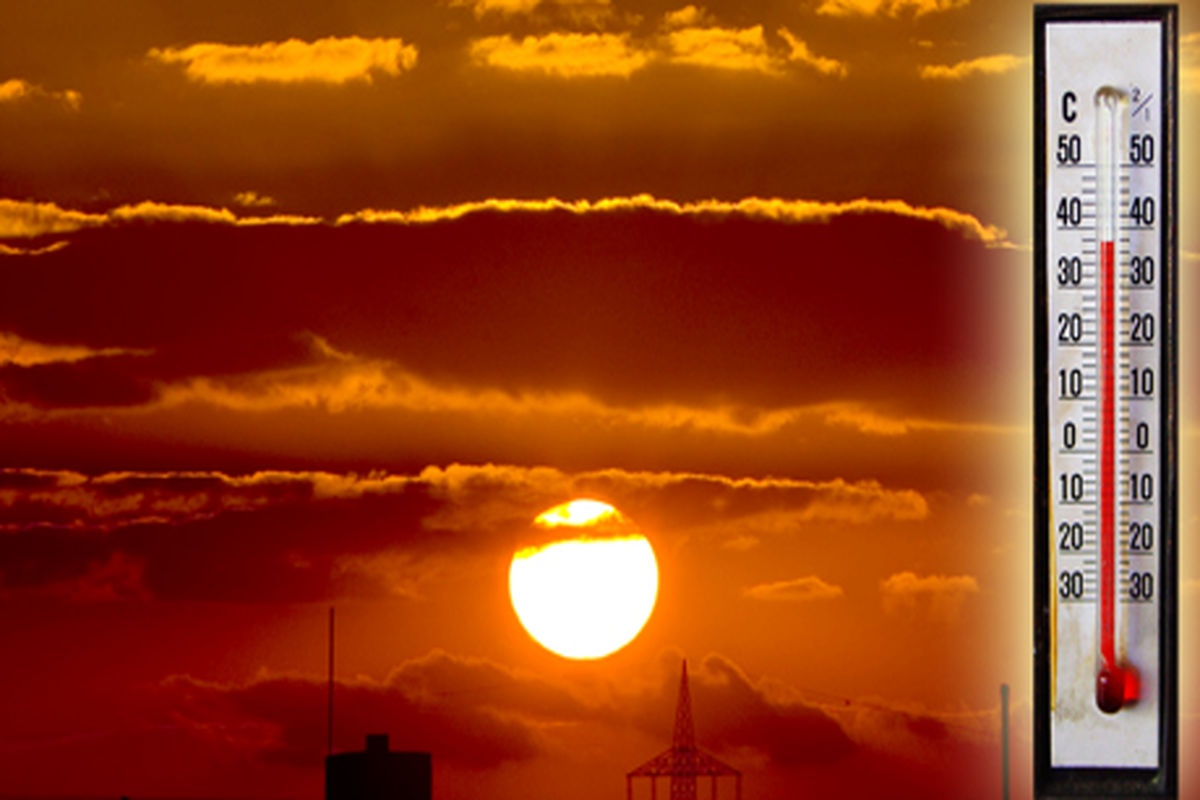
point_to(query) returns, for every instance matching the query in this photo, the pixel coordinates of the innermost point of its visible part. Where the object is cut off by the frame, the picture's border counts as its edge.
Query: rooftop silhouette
(378, 773)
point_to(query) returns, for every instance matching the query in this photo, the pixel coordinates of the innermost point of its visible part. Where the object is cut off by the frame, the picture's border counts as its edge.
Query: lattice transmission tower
(683, 763)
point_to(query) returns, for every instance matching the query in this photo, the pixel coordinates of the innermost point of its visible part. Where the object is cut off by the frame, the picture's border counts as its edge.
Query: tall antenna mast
(1004, 740)
(329, 742)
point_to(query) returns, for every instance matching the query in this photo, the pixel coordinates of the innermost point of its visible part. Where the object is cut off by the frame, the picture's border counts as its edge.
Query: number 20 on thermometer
(1105, 581)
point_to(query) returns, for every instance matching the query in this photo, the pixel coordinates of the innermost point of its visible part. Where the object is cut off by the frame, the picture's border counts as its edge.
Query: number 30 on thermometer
(1105, 412)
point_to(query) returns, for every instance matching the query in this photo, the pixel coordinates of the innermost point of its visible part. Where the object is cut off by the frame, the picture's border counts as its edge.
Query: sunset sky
(307, 304)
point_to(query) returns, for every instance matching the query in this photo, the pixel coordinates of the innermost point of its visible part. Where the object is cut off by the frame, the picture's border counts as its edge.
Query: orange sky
(308, 305)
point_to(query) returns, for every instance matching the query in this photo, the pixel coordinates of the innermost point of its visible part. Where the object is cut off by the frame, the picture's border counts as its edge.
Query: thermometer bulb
(1116, 688)
(1110, 690)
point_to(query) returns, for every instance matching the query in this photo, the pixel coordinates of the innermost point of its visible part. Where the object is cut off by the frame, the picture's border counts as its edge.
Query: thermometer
(1105, 581)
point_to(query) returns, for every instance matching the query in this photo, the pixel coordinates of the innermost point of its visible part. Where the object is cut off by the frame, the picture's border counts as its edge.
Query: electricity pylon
(683, 763)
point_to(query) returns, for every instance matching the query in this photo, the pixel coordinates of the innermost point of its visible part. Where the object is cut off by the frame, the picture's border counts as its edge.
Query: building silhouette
(378, 773)
(683, 763)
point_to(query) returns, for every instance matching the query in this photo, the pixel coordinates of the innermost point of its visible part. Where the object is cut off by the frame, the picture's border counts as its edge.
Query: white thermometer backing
(1105, 585)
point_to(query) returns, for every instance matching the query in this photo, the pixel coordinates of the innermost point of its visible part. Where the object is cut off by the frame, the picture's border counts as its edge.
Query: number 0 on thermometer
(1105, 285)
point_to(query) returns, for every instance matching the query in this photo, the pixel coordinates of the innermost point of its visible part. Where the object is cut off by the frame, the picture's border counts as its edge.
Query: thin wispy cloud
(24, 219)
(738, 49)
(800, 53)
(11, 250)
(770, 208)
(26, 353)
(28, 219)
(687, 37)
(807, 589)
(252, 199)
(592, 12)
(18, 90)
(939, 597)
(984, 65)
(887, 8)
(482, 8)
(689, 16)
(565, 55)
(71, 499)
(329, 60)
(351, 384)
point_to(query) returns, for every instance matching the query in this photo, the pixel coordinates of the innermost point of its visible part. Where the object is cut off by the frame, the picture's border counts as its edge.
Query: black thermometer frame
(1110, 782)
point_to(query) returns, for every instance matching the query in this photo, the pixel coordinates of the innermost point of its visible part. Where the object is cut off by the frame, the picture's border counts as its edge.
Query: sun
(589, 586)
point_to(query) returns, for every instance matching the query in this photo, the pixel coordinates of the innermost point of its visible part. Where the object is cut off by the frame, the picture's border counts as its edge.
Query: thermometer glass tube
(1116, 683)
(1105, 439)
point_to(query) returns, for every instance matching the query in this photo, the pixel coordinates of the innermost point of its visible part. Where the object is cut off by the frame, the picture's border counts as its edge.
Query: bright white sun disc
(585, 597)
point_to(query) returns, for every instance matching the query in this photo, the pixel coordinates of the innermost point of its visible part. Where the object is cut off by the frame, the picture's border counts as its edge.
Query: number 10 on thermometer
(1105, 414)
